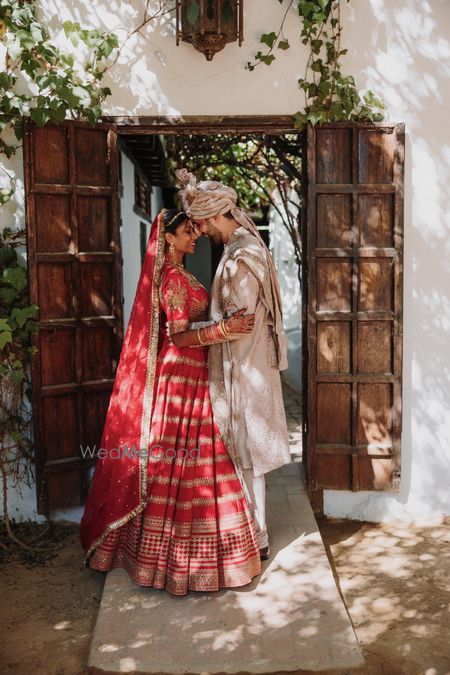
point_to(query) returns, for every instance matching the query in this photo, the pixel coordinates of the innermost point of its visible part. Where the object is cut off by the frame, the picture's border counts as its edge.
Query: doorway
(265, 170)
(351, 235)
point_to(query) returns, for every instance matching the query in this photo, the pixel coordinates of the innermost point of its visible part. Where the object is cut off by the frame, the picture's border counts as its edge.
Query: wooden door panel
(376, 151)
(334, 221)
(374, 347)
(376, 220)
(56, 290)
(52, 223)
(94, 223)
(75, 279)
(353, 278)
(57, 350)
(333, 347)
(91, 159)
(333, 155)
(333, 285)
(50, 156)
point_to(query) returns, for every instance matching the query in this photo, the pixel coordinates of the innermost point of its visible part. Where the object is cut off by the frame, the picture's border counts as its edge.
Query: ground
(395, 581)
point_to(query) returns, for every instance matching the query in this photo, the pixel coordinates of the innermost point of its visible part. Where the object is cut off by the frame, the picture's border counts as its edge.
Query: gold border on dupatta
(148, 393)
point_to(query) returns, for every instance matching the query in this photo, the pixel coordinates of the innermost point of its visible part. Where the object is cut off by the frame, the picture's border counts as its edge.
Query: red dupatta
(118, 490)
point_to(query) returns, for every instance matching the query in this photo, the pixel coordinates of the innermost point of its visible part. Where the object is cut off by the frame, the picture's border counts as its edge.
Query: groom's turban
(205, 199)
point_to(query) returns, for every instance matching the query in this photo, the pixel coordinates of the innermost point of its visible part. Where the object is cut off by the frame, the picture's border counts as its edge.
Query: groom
(244, 374)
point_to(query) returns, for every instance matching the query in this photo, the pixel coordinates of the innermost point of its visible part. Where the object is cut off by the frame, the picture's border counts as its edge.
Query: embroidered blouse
(182, 298)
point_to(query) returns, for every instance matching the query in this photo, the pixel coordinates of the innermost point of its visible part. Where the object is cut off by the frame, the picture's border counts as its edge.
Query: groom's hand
(240, 323)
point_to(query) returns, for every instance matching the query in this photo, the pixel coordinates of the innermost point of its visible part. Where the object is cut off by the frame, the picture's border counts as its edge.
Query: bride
(166, 502)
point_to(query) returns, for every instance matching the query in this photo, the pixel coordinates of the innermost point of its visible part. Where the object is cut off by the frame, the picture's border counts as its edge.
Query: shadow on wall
(154, 76)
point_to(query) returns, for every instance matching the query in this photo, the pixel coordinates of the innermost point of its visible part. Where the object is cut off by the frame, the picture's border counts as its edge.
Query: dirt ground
(395, 580)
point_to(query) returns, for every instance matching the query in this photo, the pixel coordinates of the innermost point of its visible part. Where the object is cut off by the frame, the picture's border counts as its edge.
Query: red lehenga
(188, 525)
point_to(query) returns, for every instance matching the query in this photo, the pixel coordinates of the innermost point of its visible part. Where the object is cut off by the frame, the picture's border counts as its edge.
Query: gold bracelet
(225, 331)
(199, 337)
(221, 329)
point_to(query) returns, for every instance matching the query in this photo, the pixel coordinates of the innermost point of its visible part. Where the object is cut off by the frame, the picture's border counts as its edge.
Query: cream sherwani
(244, 378)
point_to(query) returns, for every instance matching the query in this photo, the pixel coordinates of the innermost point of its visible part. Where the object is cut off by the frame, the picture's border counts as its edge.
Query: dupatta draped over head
(118, 490)
(210, 198)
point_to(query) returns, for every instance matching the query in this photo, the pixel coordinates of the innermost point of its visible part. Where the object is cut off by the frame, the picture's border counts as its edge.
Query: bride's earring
(171, 251)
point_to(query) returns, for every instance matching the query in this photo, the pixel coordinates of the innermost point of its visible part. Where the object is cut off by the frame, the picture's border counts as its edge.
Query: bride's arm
(231, 328)
(174, 298)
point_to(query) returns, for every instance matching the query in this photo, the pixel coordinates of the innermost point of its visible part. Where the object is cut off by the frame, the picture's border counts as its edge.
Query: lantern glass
(209, 24)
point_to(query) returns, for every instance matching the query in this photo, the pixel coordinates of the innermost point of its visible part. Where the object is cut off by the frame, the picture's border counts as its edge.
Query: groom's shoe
(264, 553)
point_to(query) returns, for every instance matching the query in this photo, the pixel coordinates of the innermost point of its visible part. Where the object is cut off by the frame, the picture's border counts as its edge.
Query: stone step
(289, 618)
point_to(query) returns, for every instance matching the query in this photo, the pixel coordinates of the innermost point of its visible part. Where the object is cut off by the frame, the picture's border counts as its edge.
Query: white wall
(401, 49)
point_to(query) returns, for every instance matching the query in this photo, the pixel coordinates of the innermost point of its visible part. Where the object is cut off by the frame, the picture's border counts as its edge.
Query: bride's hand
(240, 323)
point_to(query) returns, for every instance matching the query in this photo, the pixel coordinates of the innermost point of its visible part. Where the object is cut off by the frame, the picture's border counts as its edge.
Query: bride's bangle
(199, 337)
(224, 329)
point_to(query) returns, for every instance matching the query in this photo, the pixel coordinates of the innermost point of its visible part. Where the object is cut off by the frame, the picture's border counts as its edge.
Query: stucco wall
(399, 48)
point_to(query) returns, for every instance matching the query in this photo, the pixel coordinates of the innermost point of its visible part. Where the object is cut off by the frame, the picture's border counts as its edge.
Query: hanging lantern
(210, 24)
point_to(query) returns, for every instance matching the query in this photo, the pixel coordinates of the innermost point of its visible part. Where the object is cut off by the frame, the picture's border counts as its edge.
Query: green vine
(17, 325)
(330, 96)
(56, 87)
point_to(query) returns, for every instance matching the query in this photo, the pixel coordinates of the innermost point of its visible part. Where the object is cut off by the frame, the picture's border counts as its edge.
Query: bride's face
(185, 237)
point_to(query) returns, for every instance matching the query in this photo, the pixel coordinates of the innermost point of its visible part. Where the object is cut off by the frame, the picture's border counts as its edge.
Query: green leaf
(300, 119)
(82, 95)
(22, 314)
(267, 59)
(283, 44)
(8, 255)
(5, 193)
(314, 117)
(268, 39)
(7, 295)
(5, 338)
(16, 276)
(40, 115)
(17, 376)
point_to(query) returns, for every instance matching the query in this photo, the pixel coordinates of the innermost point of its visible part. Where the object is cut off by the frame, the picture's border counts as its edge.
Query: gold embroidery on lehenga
(196, 501)
(182, 400)
(182, 379)
(200, 461)
(189, 442)
(193, 482)
(174, 419)
(175, 295)
(185, 360)
(197, 308)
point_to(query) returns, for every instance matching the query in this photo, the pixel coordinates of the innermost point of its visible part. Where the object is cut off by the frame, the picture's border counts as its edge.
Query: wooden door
(353, 291)
(75, 277)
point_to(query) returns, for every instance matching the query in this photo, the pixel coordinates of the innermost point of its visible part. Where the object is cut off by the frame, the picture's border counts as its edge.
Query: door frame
(206, 125)
(239, 124)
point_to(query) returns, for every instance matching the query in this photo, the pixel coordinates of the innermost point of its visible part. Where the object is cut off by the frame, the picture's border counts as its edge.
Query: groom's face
(208, 227)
